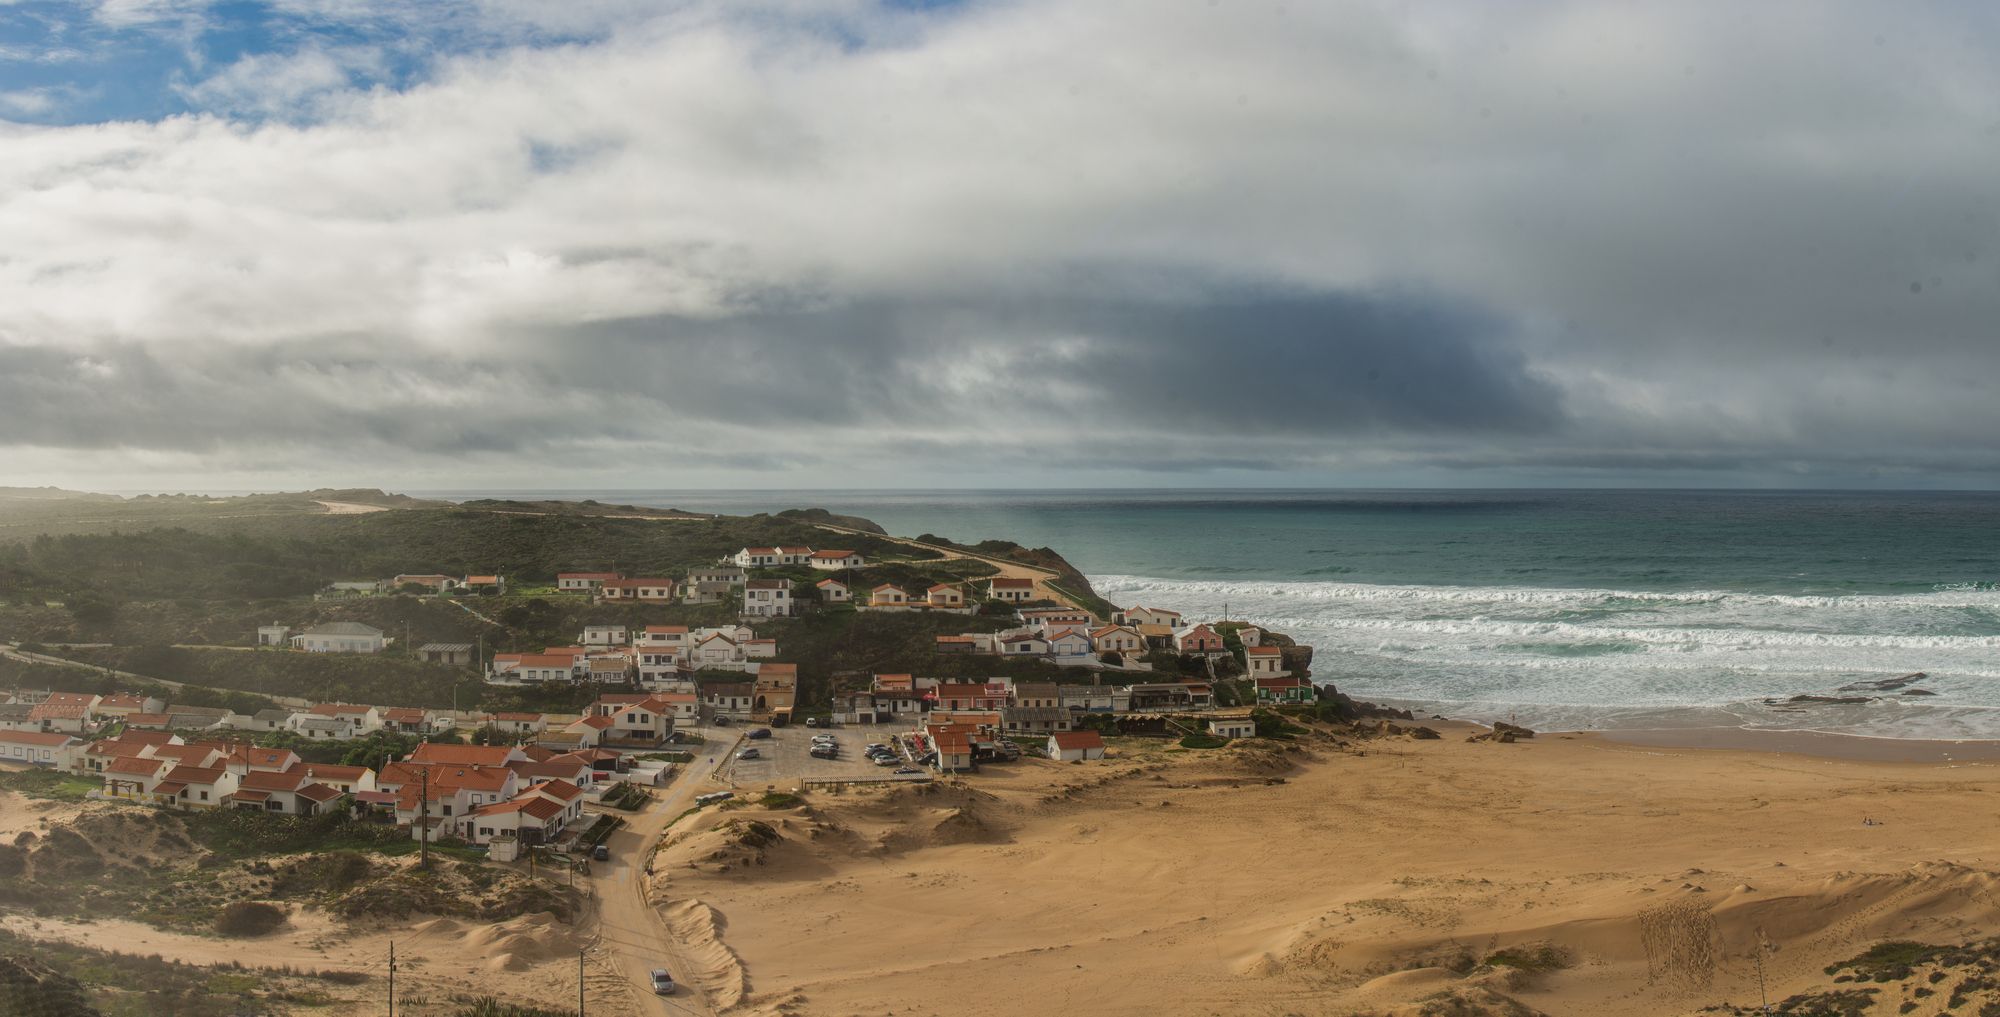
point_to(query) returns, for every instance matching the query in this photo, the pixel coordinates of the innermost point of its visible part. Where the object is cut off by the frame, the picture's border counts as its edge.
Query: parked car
(885, 760)
(762, 732)
(722, 722)
(600, 853)
(663, 983)
(907, 770)
(749, 754)
(812, 721)
(714, 796)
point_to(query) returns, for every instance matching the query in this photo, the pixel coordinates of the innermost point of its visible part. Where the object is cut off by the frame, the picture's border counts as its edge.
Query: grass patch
(1203, 741)
(50, 784)
(780, 800)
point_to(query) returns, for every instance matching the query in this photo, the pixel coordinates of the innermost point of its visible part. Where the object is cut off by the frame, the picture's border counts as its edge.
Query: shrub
(250, 918)
(1203, 741)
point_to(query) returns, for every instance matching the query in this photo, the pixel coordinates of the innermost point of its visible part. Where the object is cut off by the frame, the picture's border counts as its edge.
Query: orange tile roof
(462, 755)
(1078, 740)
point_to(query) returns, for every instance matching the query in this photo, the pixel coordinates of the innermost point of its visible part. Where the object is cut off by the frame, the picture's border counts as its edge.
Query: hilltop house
(832, 561)
(646, 591)
(445, 653)
(756, 557)
(888, 595)
(1010, 591)
(1264, 661)
(945, 595)
(584, 582)
(432, 582)
(728, 575)
(603, 635)
(340, 637)
(833, 591)
(274, 634)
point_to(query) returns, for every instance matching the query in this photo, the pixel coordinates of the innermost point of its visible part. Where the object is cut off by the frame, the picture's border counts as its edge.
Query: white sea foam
(1597, 655)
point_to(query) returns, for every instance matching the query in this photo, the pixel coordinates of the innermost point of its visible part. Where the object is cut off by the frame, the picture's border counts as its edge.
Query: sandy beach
(1329, 879)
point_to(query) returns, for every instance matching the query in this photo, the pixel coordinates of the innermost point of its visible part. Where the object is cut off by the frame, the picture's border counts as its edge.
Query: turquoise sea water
(1561, 608)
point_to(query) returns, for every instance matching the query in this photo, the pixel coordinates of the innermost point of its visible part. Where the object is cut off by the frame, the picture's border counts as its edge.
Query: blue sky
(771, 243)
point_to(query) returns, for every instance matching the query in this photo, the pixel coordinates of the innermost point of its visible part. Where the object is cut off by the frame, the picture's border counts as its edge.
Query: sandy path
(19, 813)
(349, 508)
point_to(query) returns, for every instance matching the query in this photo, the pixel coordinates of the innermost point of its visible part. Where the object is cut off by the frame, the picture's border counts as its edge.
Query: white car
(663, 983)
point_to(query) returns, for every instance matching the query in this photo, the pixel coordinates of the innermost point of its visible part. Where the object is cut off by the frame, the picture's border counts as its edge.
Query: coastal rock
(1884, 684)
(1502, 727)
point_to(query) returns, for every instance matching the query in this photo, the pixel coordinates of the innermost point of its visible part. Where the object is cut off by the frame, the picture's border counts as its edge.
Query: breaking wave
(1599, 654)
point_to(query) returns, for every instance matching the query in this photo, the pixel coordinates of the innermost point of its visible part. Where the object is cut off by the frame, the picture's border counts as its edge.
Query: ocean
(1557, 609)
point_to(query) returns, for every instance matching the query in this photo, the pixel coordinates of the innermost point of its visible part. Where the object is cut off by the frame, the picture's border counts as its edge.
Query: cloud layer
(1024, 242)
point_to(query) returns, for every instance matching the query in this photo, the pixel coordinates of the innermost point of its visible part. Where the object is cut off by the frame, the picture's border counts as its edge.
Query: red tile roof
(462, 755)
(1078, 740)
(49, 738)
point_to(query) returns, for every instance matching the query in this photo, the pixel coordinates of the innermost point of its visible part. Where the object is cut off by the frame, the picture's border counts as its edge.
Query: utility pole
(579, 983)
(392, 978)
(424, 818)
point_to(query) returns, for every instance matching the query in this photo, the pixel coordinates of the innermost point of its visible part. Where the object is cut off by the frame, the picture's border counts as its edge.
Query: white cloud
(1678, 208)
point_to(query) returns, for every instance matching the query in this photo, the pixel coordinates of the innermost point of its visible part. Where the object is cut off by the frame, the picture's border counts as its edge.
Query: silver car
(663, 983)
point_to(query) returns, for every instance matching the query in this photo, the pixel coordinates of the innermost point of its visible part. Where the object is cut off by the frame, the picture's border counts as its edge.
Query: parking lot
(786, 758)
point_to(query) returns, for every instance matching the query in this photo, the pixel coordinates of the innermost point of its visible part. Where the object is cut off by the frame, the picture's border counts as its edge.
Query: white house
(1136, 616)
(340, 637)
(887, 595)
(583, 582)
(1121, 639)
(645, 591)
(756, 557)
(1069, 643)
(39, 748)
(728, 575)
(794, 555)
(1265, 661)
(1233, 727)
(767, 598)
(603, 635)
(274, 635)
(1069, 746)
(1011, 591)
(832, 561)
(833, 591)
(1024, 644)
(945, 595)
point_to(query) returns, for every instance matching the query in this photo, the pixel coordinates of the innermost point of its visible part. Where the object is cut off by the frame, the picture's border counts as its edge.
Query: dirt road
(631, 933)
(13, 652)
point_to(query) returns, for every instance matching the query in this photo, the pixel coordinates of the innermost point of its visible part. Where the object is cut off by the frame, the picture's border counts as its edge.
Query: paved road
(786, 758)
(630, 930)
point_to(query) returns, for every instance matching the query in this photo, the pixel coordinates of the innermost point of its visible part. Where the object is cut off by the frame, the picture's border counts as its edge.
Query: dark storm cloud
(1304, 366)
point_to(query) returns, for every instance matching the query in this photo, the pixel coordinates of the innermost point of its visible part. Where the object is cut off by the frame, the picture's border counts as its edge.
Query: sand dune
(1561, 876)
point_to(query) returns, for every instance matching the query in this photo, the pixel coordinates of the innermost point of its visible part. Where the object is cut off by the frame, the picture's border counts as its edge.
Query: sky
(635, 244)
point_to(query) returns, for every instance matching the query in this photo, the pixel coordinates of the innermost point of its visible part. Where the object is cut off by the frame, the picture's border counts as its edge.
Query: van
(714, 796)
